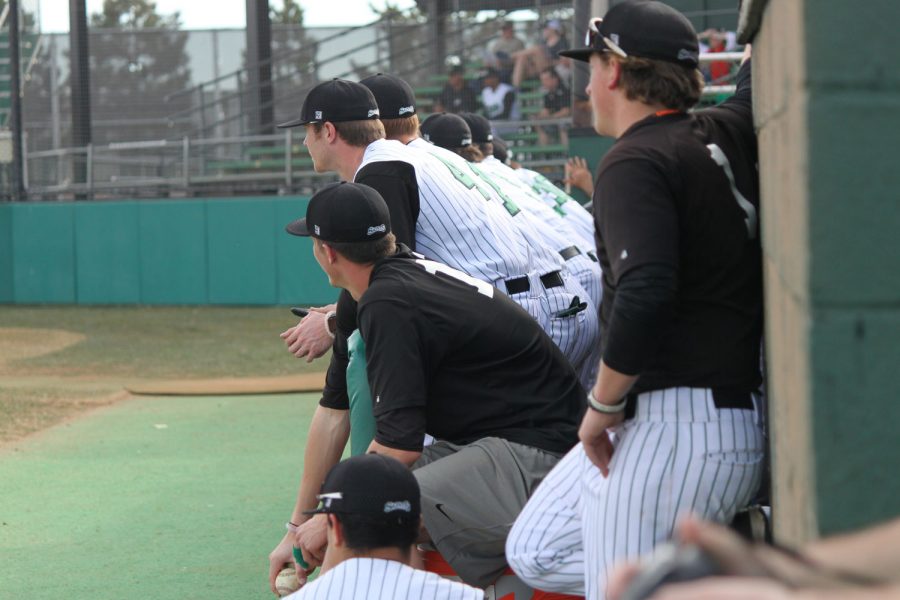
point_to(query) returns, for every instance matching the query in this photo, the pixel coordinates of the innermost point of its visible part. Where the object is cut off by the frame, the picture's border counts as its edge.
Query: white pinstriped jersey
(529, 200)
(456, 226)
(543, 255)
(379, 579)
(577, 216)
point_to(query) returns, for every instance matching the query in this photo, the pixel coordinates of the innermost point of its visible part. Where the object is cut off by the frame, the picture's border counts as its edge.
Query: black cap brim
(297, 227)
(582, 54)
(294, 123)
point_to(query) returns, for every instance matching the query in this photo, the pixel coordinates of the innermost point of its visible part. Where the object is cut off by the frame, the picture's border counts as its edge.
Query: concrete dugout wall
(827, 107)
(204, 251)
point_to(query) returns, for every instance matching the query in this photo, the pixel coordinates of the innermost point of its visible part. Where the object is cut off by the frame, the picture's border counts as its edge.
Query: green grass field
(105, 495)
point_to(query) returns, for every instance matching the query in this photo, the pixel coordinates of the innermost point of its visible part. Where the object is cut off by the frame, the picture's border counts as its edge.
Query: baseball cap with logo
(642, 28)
(344, 212)
(479, 126)
(372, 485)
(336, 100)
(446, 130)
(395, 98)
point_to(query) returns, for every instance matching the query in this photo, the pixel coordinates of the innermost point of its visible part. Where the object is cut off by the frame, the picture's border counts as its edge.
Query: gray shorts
(471, 495)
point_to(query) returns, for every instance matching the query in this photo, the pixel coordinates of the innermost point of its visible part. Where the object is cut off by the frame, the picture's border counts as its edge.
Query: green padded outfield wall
(197, 251)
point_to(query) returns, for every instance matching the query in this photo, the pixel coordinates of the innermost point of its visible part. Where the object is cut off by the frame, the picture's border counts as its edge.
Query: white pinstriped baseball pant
(576, 335)
(679, 454)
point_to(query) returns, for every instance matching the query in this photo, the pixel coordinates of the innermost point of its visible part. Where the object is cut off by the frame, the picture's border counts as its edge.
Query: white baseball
(286, 582)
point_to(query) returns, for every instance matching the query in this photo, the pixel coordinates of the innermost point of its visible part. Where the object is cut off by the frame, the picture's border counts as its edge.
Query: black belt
(521, 284)
(570, 252)
(722, 398)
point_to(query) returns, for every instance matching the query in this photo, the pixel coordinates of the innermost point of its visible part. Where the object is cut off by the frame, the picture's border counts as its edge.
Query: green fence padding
(6, 254)
(154, 498)
(300, 280)
(241, 248)
(203, 251)
(172, 239)
(106, 255)
(44, 253)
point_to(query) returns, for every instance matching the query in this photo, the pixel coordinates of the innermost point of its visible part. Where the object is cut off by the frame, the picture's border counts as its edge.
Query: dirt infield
(106, 354)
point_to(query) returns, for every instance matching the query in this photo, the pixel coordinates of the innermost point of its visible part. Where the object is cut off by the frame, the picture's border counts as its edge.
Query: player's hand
(312, 539)
(280, 558)
(579, 175)
(725, 588)
(594, 434)
(308, 338)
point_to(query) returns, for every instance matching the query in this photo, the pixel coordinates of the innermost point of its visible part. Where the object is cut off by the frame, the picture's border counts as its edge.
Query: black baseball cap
(479, 126)
(344, 212)
(446, 130)
(336, 100)
(395, 98)
(642, 28)
(370, 484)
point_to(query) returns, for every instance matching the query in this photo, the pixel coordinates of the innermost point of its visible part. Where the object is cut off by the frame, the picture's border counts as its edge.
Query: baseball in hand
(286, 582)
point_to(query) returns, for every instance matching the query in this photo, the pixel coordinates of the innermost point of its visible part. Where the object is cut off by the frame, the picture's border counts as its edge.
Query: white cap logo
(318, 115)
(318, 231)
(373, 112)
(379, 229)
(407, 109)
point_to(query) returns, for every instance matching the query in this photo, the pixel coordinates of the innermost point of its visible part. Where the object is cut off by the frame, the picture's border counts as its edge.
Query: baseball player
(373, 506)
(435, 211)
(450, 139)
(577, 218)
(673, 424)
(453, 356)
(567, 321)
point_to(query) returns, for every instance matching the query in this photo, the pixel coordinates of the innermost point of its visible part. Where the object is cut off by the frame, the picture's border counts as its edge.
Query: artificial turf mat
(152, 498)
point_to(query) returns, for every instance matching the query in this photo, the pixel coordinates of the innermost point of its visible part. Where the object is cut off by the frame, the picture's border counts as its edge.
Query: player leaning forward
(674, 424)
(452, 356)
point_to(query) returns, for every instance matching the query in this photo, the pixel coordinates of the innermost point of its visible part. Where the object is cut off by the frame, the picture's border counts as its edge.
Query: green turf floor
(152, 498)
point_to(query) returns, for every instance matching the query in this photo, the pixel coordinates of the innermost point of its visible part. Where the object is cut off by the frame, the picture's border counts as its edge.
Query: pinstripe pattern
(378, 579)
(576, 336)
(579, 218)
(679, 454)
(558, 232)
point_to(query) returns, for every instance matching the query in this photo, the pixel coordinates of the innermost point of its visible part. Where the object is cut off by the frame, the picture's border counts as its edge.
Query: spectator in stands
(534, 59)
(557, 104)
(715, 40)
(500, 53)
(498, 98)
(457, 97)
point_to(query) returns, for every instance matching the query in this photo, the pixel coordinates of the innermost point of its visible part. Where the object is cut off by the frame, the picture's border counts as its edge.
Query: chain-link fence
(172, 111)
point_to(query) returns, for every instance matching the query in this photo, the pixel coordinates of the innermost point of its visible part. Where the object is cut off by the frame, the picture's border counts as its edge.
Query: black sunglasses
(593, 32)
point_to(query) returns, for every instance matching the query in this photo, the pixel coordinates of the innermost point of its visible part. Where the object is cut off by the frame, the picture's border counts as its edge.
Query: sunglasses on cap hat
(593, 32)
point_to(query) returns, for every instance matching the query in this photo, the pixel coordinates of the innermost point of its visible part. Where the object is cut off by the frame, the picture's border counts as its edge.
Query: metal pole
(80, 82)
(15, 72)
(89, 169)
(186, 158)
(259, 66)
(288, 152)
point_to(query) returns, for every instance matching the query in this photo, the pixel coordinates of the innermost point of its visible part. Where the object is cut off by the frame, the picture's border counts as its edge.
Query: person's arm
(873, 552)
(407, 457)
(397, 184)
(327, 437)
(396, 354)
